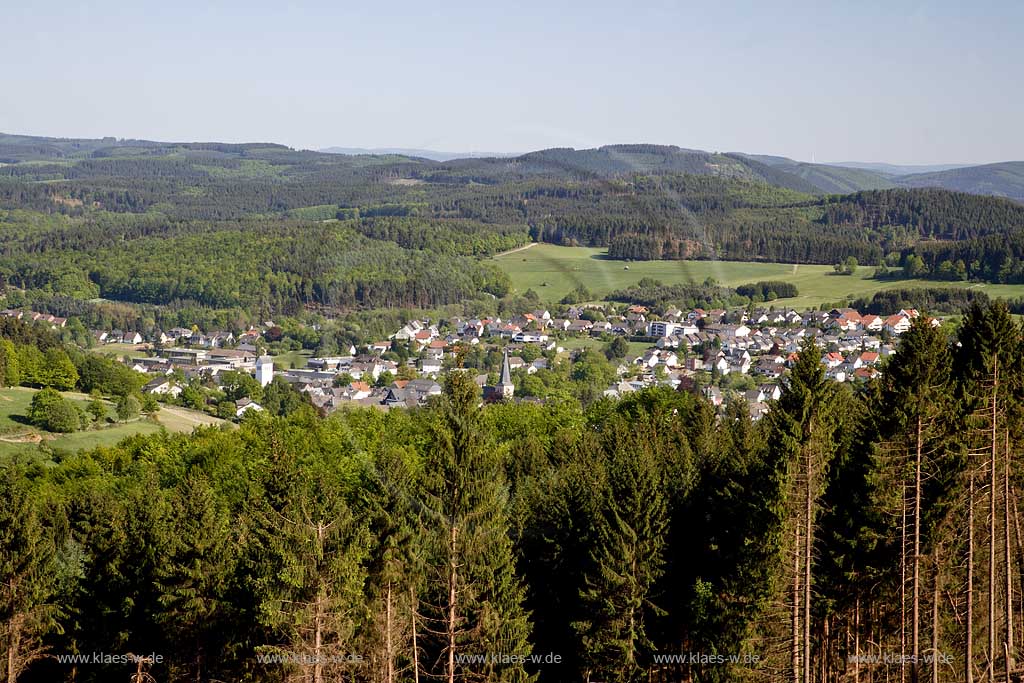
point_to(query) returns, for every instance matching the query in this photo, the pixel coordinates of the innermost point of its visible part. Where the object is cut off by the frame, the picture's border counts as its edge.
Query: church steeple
(505, 386)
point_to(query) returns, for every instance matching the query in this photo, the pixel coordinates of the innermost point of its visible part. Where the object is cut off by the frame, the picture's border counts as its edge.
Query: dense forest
(861, 534)
(268, 230)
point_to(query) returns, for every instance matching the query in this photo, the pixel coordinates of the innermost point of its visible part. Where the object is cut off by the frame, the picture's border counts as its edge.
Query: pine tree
(802, 433)
(473, 598)
(910, 428)
(310, 573)
(28, 576)
(195, 579)
(627, 560)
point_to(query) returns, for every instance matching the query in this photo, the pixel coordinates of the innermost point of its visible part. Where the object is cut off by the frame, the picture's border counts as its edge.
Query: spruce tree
(195, 580)
(803, 433)
(310, 549)
(626, 560)
(473, 602)
(555, 550)
(28, 575)
(395, 567)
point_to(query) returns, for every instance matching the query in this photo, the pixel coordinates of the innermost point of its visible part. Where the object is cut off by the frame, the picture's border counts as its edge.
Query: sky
(865, 80)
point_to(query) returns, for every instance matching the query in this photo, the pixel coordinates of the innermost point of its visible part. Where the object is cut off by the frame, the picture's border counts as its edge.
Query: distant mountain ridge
(1004, 179)
(433, 155)
(897, 169)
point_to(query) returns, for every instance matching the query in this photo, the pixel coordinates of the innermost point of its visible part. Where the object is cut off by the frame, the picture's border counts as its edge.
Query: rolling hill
(828, 178)
(1000, 180)
(610, 161)
(433, 155)
(897, 169)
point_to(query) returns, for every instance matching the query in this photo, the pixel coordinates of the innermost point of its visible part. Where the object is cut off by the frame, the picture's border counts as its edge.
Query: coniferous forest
(853, 534)
(268, 230)
(857, 532)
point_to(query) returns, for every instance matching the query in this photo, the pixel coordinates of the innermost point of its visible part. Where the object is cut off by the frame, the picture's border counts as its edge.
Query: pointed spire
(505, 385)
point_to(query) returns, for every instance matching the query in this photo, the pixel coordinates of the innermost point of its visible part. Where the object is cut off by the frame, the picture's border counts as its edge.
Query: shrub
(52, 412)
(128, 407)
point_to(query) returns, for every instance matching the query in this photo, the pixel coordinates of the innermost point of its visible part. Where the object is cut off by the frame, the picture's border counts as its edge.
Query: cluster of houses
(180, 335)
(764, 344)
(760, 343)
(55, 322)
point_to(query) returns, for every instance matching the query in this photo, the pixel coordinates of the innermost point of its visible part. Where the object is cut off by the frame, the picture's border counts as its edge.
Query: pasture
(17, 436)
(554, 271)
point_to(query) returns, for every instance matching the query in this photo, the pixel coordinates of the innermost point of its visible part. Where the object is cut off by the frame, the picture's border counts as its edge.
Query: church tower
(505, 387)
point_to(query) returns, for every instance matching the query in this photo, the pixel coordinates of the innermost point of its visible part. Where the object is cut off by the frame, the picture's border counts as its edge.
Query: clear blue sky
(904, 82)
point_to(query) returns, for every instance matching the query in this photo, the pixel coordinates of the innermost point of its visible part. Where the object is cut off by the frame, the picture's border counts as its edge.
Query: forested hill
(262, 227)
(1002, 180)
(611, 161)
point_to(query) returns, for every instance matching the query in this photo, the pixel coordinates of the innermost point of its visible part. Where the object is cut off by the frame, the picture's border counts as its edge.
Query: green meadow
(554, 271)
(19, 437)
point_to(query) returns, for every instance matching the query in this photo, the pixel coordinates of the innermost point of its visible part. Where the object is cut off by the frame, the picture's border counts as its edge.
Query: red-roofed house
(897, 324)
(833, 359)
(866, 358)
(872, 323)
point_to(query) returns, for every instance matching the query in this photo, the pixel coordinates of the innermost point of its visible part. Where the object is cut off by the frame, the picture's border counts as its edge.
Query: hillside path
(512, 251)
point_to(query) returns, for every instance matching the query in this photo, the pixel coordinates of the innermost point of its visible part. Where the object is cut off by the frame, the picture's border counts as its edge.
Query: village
(741, 354)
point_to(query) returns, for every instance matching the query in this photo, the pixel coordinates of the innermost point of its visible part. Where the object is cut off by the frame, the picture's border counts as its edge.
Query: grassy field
(292, 359)
(17, 436)
(553, 271)
(572, 343)
(120, 351)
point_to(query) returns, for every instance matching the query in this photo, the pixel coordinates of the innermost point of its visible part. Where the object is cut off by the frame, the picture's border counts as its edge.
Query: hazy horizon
(921, 83)
(455, 153)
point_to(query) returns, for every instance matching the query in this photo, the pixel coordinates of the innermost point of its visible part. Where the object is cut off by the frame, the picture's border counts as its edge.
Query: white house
(245, 405)
(661, 328)
(162, 386)
(431, 366)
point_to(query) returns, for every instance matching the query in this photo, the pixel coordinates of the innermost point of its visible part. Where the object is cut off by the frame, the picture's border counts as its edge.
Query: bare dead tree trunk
(916, 590)
(1008, 559)
(856, 640)
(389, 666)
(318, 664)
(808, 547)
(823, 650)
(1019, 543)
(969, 624)
(415, 647)
(992, 528)
(797, 632)
(318, 625)
(935, 622)
(903, 584)
(450, 627)
(13, 644)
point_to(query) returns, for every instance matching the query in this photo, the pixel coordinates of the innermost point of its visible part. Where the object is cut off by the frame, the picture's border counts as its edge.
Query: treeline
(33, 356)
(651, 292)
(938, 234)
(841, 533)
(257, 265)
(103, 221)
(457, 237)
(931, 299)
(768, 290)
(655, 293)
